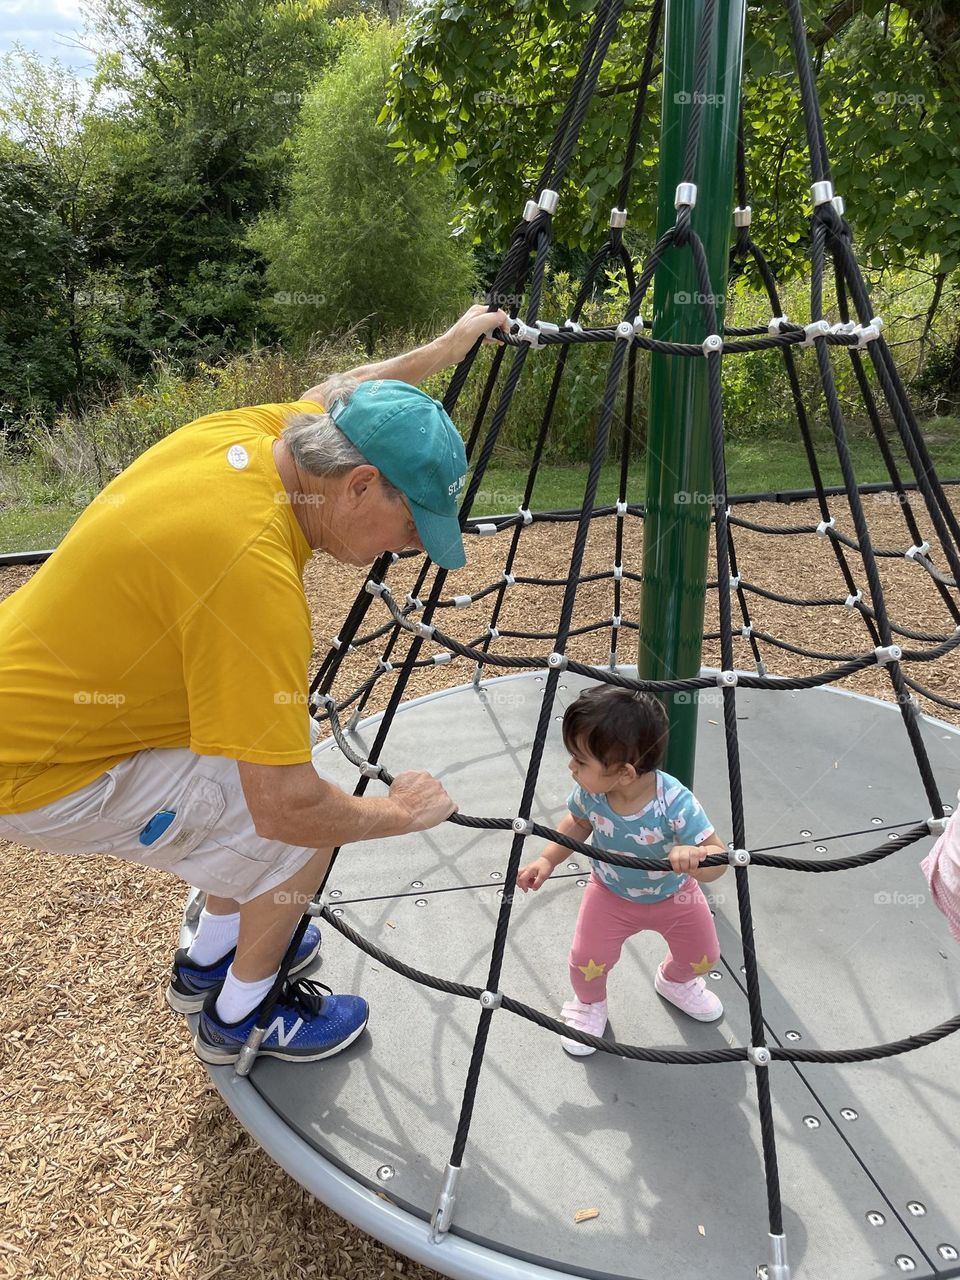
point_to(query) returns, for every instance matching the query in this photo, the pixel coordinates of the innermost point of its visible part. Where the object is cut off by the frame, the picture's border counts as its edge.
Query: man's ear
(359, 480)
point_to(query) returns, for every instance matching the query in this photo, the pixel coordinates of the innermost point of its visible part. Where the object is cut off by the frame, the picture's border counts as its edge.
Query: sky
(50, 28)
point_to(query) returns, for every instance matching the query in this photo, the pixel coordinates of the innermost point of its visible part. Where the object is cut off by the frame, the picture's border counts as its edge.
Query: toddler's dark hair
(618, 726)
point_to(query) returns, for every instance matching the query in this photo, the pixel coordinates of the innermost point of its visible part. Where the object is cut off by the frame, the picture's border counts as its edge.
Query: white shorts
(211, 843)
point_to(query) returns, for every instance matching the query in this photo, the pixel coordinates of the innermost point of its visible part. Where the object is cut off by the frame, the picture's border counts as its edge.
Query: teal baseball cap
(410, 439)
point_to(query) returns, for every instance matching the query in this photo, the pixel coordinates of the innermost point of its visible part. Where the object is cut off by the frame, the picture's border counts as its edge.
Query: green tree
(362, 239)
(208, 94)
(54, 184)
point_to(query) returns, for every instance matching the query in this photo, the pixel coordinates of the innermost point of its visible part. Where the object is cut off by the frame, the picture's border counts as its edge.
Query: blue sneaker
(305, 1025)
(191, 983)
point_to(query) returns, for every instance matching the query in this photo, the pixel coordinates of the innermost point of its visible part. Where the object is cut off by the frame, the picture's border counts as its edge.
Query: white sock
(215, 936)
(237, 999)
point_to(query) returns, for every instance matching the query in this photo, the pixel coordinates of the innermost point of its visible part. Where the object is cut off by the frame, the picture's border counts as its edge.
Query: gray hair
(318, 445)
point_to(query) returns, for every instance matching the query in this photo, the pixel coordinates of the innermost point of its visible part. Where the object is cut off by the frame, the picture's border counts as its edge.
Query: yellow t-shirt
(171, 615)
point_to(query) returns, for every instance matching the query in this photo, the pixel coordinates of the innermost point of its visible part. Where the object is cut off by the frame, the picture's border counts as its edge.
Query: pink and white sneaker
(692, 997)
(591, 1018)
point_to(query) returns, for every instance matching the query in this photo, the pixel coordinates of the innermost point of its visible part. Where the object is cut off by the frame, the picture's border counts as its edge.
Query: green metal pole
(679, 473)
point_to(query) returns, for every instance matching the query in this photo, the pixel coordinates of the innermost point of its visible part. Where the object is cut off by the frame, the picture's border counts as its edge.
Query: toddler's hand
(687, 857)
(534, 874)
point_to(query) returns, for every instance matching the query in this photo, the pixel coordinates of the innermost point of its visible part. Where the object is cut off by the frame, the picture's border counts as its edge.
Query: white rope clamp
(491, 999)
(617, 572)
(557, 662)
(616, 621)
(824, 526)
(546, 327)
(818, 329)
(739, 857)
(922, 550)
(548, 200)
(821, 193)
(374, 588)
(640, 324)
(624, 331)
(424, 630)
(525, 332)
(618, 217)
(686, 195)
(742, 215)
(384, 665)
(510, 579)
(370, 770)
(572, 325)
(443, 656)
(869, 332)
(937, 826)
(773, 326)
(485, 530)
(747, 630)
(531, 210)
(852, 601)
(888, 653)
(415, 603)
(493, 633)
(338, 644)
(735, 582)
(527, 515)
(726, 679)
(622, 508)
(324, 700)
(712, 345)
(461, 602)
(759, 1055)
(523, 826)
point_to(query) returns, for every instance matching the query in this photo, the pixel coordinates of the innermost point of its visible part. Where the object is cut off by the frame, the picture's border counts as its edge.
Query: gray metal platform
(670, 1155)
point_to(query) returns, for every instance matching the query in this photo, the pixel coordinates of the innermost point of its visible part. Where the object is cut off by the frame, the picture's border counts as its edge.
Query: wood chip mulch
(117, 1157)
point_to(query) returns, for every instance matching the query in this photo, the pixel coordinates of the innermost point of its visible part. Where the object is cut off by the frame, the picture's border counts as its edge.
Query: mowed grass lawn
(755, 466)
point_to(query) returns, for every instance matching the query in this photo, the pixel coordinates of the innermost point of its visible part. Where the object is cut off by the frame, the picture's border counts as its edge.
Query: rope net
(395, 634)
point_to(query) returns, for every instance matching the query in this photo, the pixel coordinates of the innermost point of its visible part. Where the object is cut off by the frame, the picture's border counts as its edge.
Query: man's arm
(417, 365)
(292, 804)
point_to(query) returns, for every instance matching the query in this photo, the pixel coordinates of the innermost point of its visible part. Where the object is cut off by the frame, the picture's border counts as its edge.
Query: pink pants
(606, 921)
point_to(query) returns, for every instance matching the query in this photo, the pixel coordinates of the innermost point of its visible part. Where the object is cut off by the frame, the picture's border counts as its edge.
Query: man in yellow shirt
(154, 673)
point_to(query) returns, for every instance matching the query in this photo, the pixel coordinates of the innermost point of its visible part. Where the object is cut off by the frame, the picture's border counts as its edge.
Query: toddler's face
(590, 773)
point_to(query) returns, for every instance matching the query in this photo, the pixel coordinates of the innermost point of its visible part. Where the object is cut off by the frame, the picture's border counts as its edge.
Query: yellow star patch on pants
(700, 966)
(592, 970)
